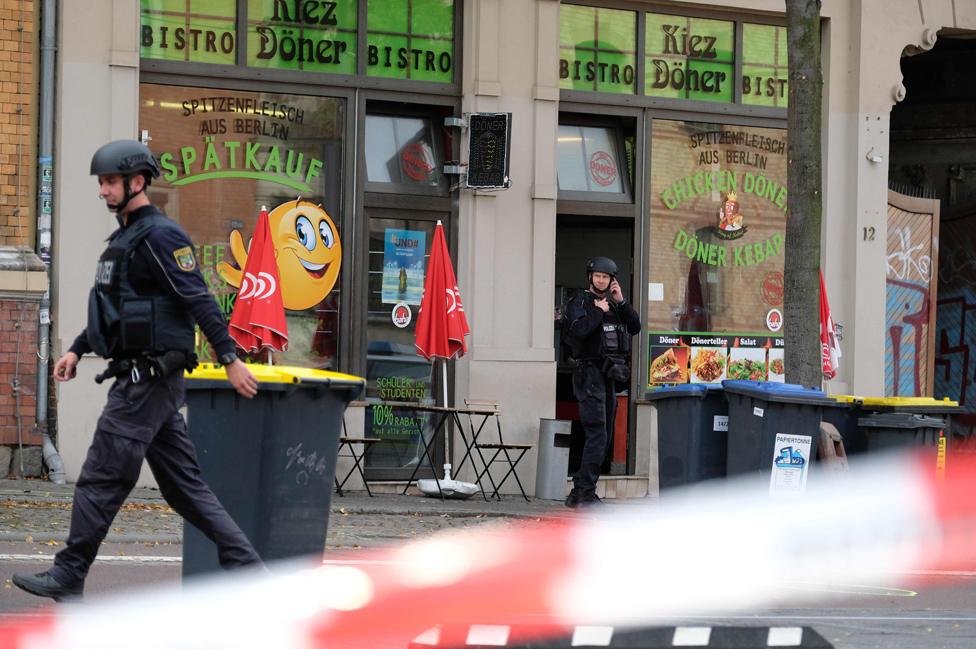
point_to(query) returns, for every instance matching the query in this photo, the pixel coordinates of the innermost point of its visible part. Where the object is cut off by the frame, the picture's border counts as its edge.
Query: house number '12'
(869, 233)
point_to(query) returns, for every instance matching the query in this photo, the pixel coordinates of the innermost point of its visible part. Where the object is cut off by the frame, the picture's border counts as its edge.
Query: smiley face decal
(308, 250)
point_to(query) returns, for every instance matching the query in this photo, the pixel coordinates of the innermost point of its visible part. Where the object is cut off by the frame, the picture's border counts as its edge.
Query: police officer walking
(148, 293)
(600, 324)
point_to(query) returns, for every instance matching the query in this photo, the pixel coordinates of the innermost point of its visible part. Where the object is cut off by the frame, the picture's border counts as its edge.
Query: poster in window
(403, 266)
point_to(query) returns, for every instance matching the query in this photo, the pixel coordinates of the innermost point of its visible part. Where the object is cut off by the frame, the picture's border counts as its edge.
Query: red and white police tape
(717, 549)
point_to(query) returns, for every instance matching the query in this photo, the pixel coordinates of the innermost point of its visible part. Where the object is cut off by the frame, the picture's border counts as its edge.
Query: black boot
(589, 500)
(572, 500)
(44, 585)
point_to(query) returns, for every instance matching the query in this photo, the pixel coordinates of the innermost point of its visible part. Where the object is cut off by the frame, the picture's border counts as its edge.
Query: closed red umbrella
(441, 328)
(441, 325)
(829, 346)
(258, 320)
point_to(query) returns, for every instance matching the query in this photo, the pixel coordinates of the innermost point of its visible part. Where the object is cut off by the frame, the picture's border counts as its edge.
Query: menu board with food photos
(681, 357)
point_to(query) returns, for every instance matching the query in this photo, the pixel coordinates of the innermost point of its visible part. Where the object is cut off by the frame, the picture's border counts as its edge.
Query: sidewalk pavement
(40, 511)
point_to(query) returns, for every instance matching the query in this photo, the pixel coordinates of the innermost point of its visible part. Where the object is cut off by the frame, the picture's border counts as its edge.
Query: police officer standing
(601, 323)
(148, 293)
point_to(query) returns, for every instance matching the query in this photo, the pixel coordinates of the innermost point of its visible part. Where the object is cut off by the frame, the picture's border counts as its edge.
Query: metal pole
(45, 201)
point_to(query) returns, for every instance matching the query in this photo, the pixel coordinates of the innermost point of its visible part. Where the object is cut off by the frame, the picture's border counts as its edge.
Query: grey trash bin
(270, 460)
(552, 465)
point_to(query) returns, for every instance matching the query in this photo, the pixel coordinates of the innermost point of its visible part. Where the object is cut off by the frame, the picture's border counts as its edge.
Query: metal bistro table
(440, 416)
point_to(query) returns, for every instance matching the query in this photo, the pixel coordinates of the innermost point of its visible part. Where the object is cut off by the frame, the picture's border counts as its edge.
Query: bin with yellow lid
(880, 423)
(914, 405)
(271, 459)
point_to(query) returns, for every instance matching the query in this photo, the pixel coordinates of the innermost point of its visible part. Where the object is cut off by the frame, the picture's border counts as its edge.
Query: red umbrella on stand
(258, 320)
(829, 346)
(441, 328)
(441, 325)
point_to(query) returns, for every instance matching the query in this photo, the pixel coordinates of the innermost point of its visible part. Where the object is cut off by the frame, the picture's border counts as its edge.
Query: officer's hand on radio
(602, 304)
(242, 379)
(615, 292)
(66, 367)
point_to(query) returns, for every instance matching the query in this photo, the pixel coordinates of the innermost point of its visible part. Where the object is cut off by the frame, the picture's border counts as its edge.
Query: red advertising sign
(603, 169)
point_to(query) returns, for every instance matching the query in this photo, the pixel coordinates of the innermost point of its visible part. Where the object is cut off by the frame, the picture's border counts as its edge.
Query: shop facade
(654, 133)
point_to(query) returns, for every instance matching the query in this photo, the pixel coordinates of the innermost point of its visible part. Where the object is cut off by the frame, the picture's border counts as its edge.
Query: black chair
(498, 452)
(349, 445)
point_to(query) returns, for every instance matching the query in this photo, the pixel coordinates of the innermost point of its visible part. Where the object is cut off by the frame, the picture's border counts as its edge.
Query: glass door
(399, 247)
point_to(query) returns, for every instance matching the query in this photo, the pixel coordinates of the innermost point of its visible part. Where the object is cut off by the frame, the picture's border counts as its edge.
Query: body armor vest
(612, 339)
(124, 324)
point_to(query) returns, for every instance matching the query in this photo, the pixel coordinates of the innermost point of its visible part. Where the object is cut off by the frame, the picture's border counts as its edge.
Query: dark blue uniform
(141, 419)
(598, 338)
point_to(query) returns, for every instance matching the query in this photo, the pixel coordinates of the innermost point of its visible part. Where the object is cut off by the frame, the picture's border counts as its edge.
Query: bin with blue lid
(774, 430)
(270, 460)
(692, 429)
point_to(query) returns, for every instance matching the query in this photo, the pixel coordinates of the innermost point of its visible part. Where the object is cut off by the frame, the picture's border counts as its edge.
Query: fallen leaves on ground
(53, 504)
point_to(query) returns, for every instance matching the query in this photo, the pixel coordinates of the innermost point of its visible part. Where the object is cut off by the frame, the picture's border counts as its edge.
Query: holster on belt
(158, 366)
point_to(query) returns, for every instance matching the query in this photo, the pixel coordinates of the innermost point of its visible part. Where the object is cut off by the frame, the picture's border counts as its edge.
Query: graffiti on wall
(912, 244)
(955, 362)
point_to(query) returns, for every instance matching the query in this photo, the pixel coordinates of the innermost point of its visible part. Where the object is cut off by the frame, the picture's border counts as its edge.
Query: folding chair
(500, 452)
(349, 444)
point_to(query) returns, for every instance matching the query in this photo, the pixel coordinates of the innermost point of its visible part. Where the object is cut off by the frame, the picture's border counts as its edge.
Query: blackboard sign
(489, 140)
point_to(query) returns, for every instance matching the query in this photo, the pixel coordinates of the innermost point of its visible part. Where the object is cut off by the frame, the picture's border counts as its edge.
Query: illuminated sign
(489, 139)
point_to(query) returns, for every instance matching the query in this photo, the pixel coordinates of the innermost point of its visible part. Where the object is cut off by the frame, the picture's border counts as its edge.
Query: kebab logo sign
(730, 218)
(603, 170)
(401, 315)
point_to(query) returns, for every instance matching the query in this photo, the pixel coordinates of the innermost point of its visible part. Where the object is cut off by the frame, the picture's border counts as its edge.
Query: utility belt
(612, 366)
(148, 367)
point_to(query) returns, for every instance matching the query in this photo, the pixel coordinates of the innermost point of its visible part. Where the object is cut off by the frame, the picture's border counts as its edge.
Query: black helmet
(602, 265)
(124, 157)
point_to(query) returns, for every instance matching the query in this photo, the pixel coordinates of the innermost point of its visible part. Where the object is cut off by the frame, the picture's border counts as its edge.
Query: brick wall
(18, 114)
(18, 371)
(18, 102)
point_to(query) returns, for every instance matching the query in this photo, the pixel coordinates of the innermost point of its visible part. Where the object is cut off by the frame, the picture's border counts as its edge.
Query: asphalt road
(938, 614)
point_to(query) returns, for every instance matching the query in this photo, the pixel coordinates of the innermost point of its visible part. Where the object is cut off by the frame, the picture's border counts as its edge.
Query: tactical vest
(122, 323)
(616, 339)
(613, 338)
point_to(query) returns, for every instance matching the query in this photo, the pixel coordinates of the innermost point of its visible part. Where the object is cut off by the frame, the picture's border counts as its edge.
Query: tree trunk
(801, 285)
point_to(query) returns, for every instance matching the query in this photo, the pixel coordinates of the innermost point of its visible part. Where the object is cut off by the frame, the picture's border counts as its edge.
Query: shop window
(597, 49)
(689, 58)
(224, 154)
(408, 40)
(590, 161)
(312, 36)
(201, 31)
(403, 154)
(411, 39)
(715, 252)
(765, 66)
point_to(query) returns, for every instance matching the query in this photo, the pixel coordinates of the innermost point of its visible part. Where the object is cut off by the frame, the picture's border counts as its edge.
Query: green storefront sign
(683, 57)
(405, 39)
(688, 58)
